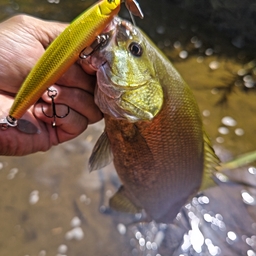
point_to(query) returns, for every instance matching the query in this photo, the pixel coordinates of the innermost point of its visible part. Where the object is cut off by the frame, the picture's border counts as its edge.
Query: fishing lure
(63, 52)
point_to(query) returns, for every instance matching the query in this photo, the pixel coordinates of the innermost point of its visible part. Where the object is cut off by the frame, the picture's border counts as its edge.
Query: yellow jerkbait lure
(62, 53)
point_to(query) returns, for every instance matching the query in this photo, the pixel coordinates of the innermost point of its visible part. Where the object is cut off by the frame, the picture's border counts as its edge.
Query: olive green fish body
(62, 53)
(153, 126)
(160, 163)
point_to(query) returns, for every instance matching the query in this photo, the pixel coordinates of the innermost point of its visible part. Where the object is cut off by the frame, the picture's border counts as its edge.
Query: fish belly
(160, 162)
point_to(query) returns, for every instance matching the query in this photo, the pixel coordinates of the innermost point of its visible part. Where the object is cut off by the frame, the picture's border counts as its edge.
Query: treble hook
(100, 41)
(52, 93)
(133, 8)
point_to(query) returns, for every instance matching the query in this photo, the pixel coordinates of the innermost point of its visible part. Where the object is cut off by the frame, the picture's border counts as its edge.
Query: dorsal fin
(211, 161)
(212, 164)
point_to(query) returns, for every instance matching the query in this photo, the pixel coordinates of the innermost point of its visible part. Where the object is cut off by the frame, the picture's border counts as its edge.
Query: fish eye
(135, 49)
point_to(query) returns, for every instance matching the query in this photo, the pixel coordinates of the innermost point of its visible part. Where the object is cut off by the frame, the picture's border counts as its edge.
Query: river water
(51, 205)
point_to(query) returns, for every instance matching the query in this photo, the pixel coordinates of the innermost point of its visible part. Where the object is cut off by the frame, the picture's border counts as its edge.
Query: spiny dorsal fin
(213, 166)
(120, 202)
(211, 161)
(101, 153)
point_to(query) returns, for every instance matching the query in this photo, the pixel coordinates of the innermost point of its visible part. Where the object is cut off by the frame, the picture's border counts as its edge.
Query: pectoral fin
(120, 202)
(101, 154)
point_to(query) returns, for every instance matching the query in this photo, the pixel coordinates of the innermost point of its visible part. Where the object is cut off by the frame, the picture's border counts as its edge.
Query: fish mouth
(102, 61)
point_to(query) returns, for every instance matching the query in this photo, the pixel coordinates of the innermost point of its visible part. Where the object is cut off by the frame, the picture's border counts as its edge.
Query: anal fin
(120, 202)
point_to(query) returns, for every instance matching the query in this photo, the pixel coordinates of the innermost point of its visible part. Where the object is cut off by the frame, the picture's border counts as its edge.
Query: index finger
(75, 76)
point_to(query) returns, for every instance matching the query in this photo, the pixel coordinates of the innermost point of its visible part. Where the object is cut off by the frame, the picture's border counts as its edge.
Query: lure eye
(135, 49)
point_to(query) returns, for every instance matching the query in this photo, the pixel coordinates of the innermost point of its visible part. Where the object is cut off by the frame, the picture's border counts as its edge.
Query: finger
(78, 100)
(16, 143)
(76, 77)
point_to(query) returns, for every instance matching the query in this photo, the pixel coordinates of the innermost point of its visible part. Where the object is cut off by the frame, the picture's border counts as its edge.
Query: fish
(64, 51)
(153, 128)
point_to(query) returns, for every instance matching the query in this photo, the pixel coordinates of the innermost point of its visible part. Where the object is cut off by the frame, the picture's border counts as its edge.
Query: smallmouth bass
(153, 128)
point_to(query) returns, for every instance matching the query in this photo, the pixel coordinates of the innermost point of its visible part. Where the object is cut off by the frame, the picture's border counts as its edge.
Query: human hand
(23, 40)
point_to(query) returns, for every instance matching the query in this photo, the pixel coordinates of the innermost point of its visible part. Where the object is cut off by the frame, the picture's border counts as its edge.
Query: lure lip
(22, 125)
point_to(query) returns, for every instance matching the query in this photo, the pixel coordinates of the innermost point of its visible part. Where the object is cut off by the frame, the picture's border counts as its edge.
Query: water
(51, 205)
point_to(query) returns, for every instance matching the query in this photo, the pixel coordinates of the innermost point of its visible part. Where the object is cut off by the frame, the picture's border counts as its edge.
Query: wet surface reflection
(214, 223)
(51, 205)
